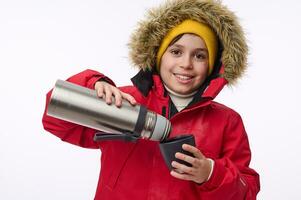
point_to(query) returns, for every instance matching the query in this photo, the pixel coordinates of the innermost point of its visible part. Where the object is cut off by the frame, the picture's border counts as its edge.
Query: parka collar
(146, 80)
(143, 80)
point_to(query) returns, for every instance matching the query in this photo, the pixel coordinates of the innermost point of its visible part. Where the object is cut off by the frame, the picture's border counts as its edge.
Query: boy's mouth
(183, 77)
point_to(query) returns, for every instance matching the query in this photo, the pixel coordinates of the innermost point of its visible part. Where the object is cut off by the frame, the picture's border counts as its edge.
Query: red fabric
(137, 170)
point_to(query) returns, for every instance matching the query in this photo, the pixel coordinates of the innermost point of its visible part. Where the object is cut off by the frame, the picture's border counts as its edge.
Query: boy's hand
(106, 91)
(201, 166)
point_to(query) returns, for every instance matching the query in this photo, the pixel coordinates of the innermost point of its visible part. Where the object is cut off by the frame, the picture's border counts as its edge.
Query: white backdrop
(41, 41)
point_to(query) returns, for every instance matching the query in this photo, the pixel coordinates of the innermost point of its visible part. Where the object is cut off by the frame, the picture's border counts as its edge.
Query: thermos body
(80, 105)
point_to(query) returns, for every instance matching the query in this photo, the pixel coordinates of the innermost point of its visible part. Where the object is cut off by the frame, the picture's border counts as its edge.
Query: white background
(41, 41)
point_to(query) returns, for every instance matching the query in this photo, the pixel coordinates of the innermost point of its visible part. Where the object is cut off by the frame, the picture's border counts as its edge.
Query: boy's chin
(185, 91)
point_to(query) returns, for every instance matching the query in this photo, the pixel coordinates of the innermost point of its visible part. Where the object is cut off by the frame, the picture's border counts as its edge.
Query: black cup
(171, 146)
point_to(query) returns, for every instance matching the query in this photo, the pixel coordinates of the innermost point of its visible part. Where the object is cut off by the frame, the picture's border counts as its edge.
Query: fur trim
(146, 39)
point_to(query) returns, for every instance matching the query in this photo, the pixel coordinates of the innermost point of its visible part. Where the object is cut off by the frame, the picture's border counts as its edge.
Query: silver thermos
(80, 105)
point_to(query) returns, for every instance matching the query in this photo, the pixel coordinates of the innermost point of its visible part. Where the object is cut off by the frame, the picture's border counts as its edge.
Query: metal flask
(80, 105)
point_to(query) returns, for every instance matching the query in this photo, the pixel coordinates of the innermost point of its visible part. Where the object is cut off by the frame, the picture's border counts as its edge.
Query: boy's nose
(186, 62)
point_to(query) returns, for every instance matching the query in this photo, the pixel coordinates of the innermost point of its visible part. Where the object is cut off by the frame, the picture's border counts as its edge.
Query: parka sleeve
(232, 178)
(70, 132)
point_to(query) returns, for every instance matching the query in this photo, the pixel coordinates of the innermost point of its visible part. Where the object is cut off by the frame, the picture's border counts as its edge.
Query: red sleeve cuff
(216, 178)
(91, 82)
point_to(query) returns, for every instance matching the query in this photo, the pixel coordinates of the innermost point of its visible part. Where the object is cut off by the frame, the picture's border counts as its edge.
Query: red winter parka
(137, 171)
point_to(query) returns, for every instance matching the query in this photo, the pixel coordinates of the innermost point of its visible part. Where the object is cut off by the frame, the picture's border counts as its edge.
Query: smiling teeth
(183, 77)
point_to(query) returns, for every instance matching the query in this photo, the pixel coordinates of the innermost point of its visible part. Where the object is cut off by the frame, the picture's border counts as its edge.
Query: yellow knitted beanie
(190, 26)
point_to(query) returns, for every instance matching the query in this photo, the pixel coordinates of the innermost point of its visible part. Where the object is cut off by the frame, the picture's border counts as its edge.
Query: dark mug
(173, 145)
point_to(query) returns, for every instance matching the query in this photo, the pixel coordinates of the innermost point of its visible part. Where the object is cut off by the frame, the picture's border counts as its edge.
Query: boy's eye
(175, 52)
(200, 56)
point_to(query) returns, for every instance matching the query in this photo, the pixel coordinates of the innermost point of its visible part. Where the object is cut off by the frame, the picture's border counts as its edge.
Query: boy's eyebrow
(181, 46)
(176, 45)
(202, 49)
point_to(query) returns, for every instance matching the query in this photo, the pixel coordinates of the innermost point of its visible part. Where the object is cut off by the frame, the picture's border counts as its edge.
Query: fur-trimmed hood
(146, 39)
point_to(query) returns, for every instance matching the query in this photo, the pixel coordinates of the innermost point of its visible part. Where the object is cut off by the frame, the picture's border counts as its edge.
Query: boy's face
(184, 64)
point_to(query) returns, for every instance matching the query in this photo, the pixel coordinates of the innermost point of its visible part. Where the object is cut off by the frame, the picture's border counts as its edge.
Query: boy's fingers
(182, 168)
(129, 98)
(181, 176)
(118, 98)
(195, 151)
(99, 90)
(108, 93)
(192, 160)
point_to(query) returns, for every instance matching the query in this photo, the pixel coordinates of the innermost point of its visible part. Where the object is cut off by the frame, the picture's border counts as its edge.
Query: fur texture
(146, 39)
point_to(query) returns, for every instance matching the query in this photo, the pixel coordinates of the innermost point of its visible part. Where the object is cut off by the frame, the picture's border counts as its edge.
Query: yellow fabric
(194, 27)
